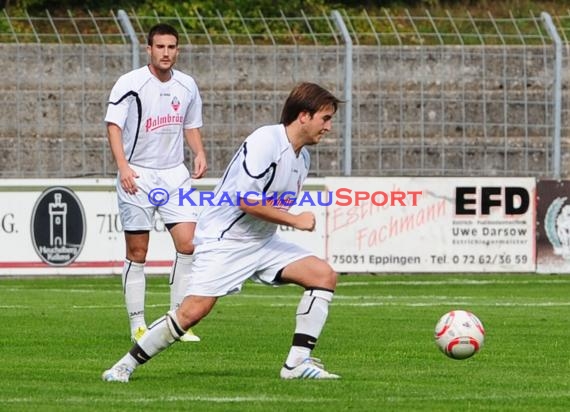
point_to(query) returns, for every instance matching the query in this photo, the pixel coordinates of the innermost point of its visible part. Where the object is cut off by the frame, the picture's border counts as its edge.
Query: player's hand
(200, 166)
(305, 221)
(127, 178)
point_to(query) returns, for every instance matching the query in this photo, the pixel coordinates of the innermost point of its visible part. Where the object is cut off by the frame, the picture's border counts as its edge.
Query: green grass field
(59, 334)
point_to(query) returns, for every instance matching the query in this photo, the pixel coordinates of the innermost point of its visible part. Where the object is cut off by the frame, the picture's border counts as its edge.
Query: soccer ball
(459, 334)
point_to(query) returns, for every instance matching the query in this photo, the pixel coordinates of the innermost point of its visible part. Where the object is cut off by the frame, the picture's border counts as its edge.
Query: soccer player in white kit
(236, 242)
(151, 111)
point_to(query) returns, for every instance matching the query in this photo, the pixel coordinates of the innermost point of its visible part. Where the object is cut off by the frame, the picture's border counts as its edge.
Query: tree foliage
(271, 7)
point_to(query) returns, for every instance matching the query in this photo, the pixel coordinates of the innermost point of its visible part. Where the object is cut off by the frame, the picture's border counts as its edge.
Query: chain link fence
(425, 95)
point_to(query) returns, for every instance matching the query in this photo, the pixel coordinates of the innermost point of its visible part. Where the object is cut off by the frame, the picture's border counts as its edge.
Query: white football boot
(310, 368)
(118, 373)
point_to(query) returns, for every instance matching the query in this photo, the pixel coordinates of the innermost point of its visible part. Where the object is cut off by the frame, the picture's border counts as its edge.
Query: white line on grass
(76, 290)
(442, 301)
(116, 306)
(470, 396)
(163, 399)
(458, 279)
(450, 302)
(289, 399)
(79, 291)
(384, 281)
(455, 282)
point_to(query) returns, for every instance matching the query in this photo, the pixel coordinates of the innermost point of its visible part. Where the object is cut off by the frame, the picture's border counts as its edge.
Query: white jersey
(152, 115)
(265, 165)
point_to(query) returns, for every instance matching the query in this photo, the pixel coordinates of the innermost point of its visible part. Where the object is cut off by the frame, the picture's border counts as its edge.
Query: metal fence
(426, 95)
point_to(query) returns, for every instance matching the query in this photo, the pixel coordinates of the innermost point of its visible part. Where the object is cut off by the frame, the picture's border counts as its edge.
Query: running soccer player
(151, 111)
(236, 242)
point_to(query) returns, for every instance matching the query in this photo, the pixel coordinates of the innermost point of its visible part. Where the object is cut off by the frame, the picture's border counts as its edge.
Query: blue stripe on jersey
(271, 168)
(139, 115)
(231, 224)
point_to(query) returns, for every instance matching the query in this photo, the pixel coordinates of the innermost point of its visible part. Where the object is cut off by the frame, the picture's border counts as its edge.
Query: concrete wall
(416, 110)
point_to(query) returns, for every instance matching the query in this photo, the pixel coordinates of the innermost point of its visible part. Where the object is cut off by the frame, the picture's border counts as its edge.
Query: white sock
(312, 314)
(134, 286)
(160, 335)
(297, 354)
(128, 360)
(179, 275)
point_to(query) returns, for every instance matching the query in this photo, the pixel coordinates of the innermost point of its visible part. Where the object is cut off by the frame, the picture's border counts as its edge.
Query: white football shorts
(221, 267)
(158, 191)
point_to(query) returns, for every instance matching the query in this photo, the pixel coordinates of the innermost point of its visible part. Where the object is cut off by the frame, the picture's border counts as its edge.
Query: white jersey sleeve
(193, 118)
(123, 96)
(259, 159)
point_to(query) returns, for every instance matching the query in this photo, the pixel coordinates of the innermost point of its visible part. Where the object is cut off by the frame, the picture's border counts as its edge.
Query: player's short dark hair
(161, 28)
(307, 97)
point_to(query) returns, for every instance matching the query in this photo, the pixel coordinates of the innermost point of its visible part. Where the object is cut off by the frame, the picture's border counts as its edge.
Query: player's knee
(186, 249)
(191, 311)
(137, 254)
(332, 278)
(327, 277)
(184, 317)
(183, 244)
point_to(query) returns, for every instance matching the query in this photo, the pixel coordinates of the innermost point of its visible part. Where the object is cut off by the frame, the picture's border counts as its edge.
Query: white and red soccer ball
(459, 334)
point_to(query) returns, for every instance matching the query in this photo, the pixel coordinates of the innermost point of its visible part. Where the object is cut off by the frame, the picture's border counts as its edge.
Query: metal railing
(425, 95)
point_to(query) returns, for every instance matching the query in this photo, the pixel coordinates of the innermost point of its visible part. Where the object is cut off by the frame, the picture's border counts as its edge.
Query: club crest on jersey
(175, 103)
(283, 202)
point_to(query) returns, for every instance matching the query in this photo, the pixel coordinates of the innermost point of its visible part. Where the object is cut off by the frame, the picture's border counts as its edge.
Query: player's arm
(194, 139)
(127, 175)
(302, 221)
